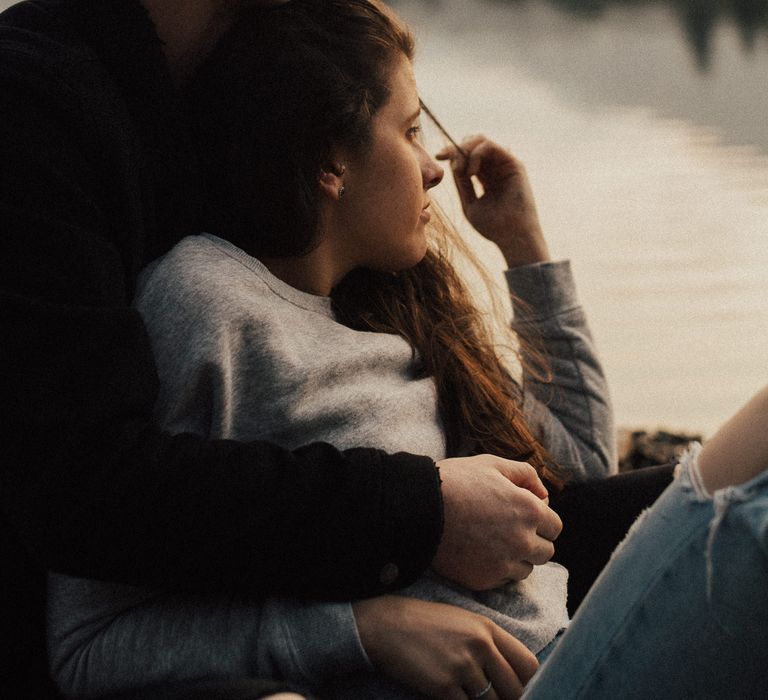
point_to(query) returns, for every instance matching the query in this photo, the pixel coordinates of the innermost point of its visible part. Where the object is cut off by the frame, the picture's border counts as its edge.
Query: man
(96, 179)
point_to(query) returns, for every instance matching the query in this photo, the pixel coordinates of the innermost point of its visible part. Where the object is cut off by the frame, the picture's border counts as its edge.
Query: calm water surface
(646, 139)
(643, 126)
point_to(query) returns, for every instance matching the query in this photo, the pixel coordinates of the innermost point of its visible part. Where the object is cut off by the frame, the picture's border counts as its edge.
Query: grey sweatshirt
(242, 355)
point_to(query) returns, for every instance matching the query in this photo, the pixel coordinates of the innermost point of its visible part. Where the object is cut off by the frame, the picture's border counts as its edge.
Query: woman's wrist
(524, 250)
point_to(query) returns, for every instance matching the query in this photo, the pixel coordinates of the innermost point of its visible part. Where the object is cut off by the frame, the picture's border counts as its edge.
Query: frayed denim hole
(687, 474)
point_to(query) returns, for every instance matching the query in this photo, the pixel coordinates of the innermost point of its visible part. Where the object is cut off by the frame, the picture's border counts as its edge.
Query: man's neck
(188, 29)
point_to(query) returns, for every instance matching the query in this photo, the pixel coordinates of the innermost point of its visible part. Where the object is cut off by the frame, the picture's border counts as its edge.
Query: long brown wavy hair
(284, 87)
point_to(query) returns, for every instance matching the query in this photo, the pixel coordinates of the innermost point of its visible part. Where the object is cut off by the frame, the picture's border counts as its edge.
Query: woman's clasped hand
(442, 651)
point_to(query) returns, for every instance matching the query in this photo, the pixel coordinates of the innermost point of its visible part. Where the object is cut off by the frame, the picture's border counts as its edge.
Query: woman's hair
(284, 87)
(429, 305)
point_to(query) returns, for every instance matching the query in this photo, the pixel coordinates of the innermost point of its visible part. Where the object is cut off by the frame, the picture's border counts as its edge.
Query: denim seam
(722, 501)
(611, 642)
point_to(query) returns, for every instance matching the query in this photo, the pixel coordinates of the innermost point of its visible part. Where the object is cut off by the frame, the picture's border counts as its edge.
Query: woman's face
(383, 214)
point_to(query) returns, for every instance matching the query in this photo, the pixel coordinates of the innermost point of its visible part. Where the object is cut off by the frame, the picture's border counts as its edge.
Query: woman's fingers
(442, 651)
(506, 665)
(481, 153)
(467, 145)
(465, 187)
(463, 180)
(486, 163)
(505, 683)
(509, 666)
(505, 212)
(516, 655)
(477, 683)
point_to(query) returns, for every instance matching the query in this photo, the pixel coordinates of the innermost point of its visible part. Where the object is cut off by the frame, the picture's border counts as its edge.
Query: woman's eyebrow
(414, 116)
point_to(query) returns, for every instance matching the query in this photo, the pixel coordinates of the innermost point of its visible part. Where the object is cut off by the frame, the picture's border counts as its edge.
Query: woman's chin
(415, 257)
(396, 258)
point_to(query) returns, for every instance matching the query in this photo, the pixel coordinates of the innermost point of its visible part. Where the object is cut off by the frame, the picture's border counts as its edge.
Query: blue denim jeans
(681, 610)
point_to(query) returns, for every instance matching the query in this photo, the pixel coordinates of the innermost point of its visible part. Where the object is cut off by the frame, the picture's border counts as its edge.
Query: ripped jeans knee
(681, 609)
(736, 548)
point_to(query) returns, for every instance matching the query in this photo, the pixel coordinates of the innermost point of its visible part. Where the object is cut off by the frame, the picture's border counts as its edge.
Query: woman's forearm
(106, 637)
(572, 414)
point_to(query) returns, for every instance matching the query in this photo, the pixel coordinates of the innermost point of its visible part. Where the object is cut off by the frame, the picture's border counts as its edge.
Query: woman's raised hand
(442, 651)
(505, 211)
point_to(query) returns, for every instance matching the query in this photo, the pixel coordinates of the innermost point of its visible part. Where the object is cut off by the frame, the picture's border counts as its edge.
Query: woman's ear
(331, 180)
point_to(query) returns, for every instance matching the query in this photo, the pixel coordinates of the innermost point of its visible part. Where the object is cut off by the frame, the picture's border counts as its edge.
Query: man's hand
(497, 522)
(442, 651)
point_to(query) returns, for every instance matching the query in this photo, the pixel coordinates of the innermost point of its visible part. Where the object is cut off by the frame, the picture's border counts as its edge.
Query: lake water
(643, 126)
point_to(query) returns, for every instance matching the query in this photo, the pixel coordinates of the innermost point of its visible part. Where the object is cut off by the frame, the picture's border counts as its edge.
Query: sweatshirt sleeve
(107, 637)
(88, 482)
(308, 643)
(571, 414)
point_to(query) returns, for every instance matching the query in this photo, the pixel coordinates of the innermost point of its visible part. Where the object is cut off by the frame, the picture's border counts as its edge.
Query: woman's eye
(414, 131)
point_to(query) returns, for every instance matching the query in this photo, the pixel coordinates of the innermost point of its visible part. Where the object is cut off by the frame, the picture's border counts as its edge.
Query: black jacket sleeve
(91, 486)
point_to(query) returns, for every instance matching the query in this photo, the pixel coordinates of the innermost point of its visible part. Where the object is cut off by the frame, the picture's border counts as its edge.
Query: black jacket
(96, 178)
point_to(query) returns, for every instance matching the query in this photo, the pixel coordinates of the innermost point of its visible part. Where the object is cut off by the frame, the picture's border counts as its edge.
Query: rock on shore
(640, 448)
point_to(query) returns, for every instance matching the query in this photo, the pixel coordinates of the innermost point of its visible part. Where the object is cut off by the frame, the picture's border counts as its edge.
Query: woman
(318, 187)
(322, 210)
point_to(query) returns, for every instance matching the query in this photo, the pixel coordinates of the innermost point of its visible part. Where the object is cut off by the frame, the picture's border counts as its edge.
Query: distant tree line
(699, 18)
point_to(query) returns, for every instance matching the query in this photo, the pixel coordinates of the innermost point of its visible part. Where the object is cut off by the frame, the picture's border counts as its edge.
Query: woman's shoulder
(201, 277)
(198, 267)
(206, 281)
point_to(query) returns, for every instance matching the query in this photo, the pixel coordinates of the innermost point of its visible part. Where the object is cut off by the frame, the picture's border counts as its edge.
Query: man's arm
(98, 491)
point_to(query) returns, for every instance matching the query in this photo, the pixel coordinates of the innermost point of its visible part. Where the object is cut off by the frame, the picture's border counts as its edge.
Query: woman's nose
(432, 172)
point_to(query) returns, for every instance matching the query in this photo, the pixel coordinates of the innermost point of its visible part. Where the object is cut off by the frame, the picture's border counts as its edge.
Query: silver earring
(342, 190)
